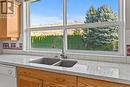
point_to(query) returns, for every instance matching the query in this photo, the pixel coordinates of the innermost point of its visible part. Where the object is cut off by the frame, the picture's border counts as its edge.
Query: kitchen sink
(66, 63)
(47, 61)
(55, 62)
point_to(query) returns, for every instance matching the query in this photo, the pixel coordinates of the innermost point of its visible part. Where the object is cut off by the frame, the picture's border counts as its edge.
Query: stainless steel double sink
(55, 62)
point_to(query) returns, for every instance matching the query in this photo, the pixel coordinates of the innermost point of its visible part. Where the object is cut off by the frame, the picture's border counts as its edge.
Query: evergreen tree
(100, 38)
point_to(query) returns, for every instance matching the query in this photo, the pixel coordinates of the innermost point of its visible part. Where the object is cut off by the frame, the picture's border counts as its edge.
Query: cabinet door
(14, 24)
(85, 82)
(3, 27)
(59, 80)
(29, 82)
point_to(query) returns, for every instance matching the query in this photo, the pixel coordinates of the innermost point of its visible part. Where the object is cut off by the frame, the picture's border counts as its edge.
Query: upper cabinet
(9, 20)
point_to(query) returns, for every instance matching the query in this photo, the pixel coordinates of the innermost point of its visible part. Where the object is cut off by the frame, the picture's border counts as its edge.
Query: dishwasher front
(8, 76)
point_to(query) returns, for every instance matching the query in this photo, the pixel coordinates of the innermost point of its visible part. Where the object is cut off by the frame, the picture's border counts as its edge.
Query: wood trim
(13, 7)
(2, 2)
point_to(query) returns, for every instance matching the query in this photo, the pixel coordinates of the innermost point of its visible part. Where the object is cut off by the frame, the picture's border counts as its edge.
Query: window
(93, 39)
(47, 39)
(83, 25)
(46, 13)
(86, 11)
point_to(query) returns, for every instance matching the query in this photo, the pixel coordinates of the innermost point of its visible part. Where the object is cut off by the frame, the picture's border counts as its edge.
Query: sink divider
(57, 63)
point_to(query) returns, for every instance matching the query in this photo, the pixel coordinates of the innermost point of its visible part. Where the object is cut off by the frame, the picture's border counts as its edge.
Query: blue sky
(51, 11)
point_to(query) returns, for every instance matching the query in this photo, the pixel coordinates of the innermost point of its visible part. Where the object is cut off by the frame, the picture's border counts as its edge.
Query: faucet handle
(63, 56)
(56, 56)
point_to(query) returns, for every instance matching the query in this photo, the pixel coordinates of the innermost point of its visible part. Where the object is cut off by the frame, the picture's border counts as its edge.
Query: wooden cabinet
(86, 82)
(39, 78)
(49, 79)
(10, 24)
(24, 81)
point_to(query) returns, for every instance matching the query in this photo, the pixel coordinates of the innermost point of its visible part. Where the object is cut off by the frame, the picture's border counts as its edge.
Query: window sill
(96, 55)
(58, 52)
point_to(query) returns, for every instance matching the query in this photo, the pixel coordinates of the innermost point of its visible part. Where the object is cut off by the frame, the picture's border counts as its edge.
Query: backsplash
(12, 45)
(1, 47)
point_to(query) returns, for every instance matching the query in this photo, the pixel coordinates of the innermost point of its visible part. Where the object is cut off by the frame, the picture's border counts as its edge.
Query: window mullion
(64, 47)
(28, 26)
(46, 28)
(94, 25)
(122, 27)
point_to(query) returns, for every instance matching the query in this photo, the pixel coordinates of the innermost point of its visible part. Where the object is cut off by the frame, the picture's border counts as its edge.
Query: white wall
(128, 25)
(128, 22)
(128, 14)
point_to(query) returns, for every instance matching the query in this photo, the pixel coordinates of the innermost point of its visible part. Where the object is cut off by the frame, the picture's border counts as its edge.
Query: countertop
(97, 70)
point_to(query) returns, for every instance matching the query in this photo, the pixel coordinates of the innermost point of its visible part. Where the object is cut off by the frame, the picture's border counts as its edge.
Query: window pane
(89, 11)
(94, 39)
(46, 13)
(47, 39)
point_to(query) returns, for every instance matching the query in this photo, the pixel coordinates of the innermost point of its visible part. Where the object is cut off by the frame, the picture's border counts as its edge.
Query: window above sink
(86, 27)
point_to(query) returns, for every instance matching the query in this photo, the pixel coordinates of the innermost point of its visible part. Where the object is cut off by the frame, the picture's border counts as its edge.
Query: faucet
(63, 56)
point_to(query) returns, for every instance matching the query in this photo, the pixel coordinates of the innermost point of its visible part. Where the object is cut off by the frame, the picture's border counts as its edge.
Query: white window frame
(121, 24)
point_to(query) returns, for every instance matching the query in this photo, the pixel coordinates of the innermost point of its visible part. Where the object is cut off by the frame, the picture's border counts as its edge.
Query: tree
(77, 32)
(100, 38)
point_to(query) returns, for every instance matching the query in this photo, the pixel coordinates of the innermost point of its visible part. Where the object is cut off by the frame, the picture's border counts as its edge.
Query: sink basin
(47, 61)
(55, 62)
(66, 63)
